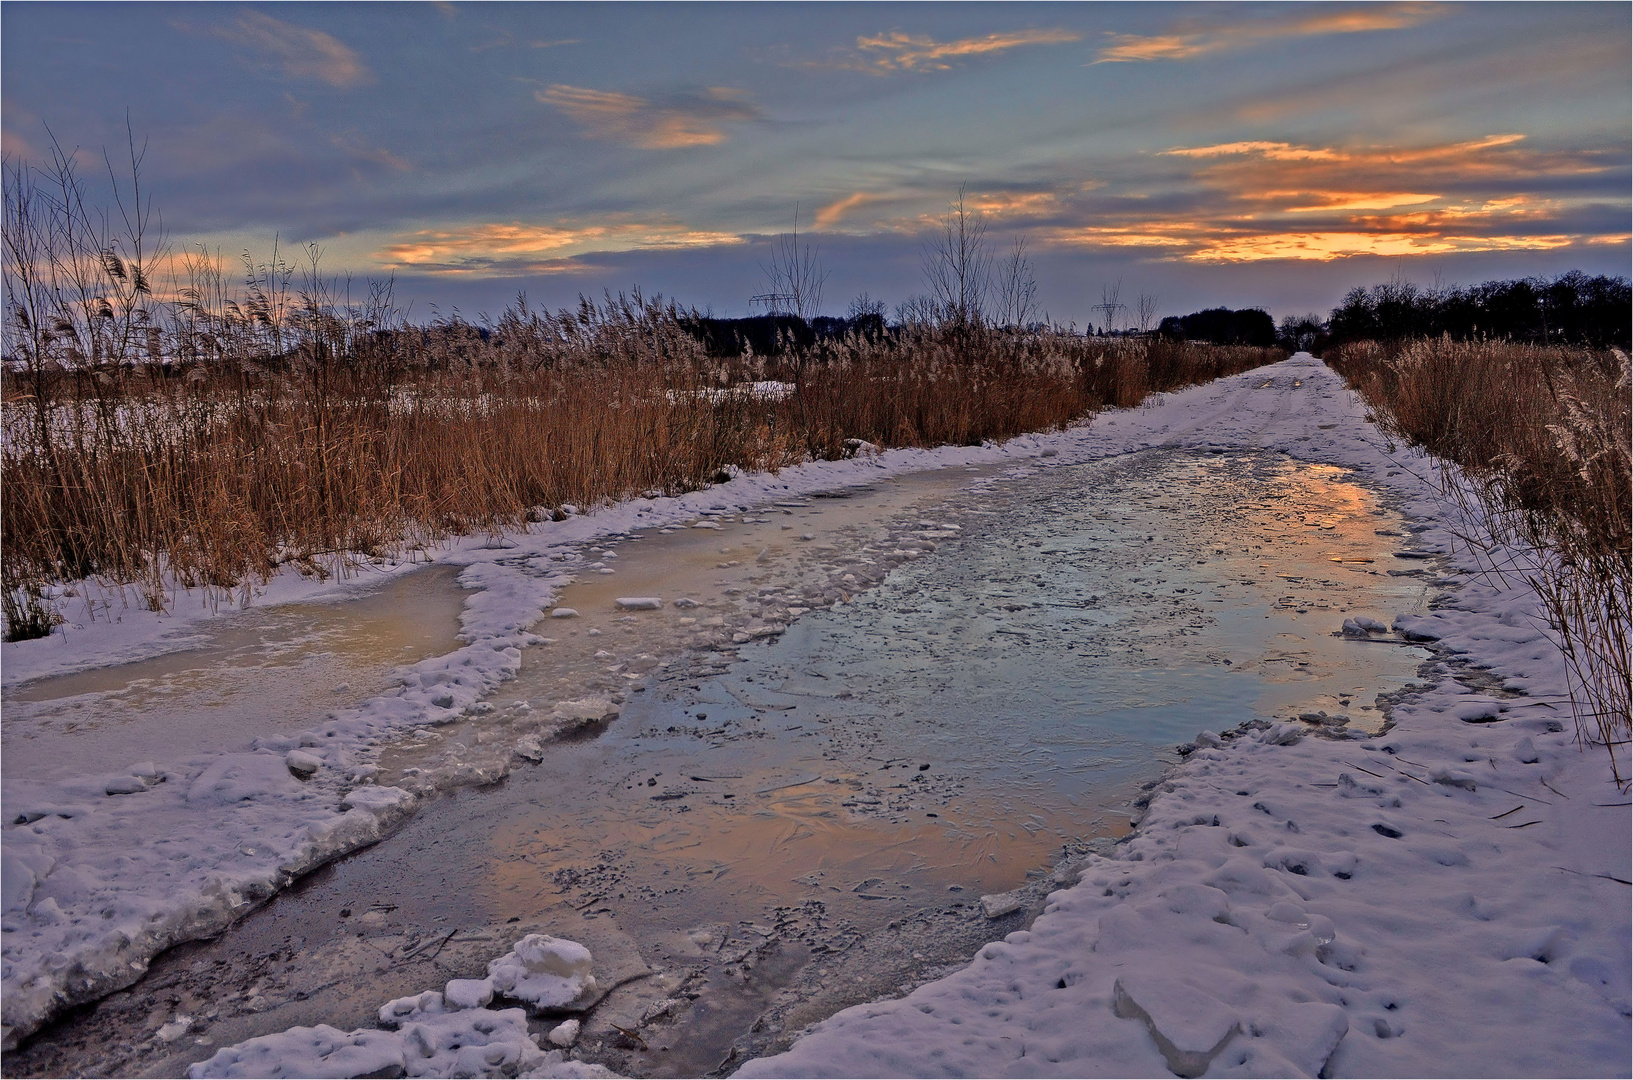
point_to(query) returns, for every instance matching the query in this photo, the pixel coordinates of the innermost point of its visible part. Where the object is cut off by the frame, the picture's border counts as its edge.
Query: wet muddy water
(850, 712)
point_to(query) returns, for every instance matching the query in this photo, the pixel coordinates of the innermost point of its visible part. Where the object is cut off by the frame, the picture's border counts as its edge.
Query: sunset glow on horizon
(1267, 154)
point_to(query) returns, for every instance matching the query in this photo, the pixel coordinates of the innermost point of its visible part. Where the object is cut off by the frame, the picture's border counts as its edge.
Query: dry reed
(1544, 435)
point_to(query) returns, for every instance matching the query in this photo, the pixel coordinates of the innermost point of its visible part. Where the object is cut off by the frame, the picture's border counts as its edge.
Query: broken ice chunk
(302, 764)
(563, 1034)
(1305, 1032)
(638, 603)
(468, 993)
(564, 613)
(997, 905)
(546, 972)
(1189, 1026)
(376, 800)
(18, 883)
(174, 1030)
(417, 1006)
(529, 747)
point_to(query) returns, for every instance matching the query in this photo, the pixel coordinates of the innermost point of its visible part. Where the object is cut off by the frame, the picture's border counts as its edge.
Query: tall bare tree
(795, 275)
(1109, 307)
(1146, 307)
(958, 266)
(1017, 287)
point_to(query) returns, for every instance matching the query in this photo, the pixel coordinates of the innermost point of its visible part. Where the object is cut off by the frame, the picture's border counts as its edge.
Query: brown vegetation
(1544, 435)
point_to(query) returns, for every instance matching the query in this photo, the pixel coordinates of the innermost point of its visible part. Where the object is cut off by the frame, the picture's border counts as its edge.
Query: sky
(1269, 155)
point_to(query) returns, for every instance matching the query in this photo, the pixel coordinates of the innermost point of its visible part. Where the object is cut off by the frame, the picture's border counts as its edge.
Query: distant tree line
(1573, 309)
(773, 335)
(1222, 326)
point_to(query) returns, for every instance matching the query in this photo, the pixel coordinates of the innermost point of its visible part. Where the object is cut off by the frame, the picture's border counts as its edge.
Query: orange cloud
(835, 212)
(1257, 200)
(897, 51)
(499, 248)
(1015, 203)
(1193, 38)
(1324, 247)
(303, 53)
(697, 120)
(1275, 151)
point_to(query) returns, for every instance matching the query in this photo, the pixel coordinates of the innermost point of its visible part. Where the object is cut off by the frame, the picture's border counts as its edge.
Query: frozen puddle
(279, 669)
(817, 769)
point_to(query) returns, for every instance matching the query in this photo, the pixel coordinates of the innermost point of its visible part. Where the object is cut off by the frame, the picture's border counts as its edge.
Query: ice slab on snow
(1189, 1025)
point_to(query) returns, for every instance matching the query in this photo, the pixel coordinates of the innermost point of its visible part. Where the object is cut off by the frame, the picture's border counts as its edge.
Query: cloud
(681, 121)
(1197, 38)
(835, 212)
(506, 39)
(1275, 151)
(896, 51)
(1357, 200)
(498, 249)
(301, 52)
(1260, 200)
(354, 145)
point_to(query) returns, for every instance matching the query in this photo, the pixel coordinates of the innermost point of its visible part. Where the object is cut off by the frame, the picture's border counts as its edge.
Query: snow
(544, 971)
(1468, 863)
(448, 1032)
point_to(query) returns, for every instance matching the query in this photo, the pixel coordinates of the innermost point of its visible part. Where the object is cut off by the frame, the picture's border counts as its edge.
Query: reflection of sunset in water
(281, 668)
(752, 840)
(1088, 617)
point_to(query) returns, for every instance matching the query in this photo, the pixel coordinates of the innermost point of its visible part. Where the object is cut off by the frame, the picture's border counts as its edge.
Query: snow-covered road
(1364, 902)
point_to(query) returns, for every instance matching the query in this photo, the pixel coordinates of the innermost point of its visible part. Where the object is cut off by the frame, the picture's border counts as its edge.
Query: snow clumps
(440, 1033)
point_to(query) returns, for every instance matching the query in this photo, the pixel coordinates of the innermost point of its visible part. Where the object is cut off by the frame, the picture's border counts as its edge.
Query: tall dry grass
(1544, 435)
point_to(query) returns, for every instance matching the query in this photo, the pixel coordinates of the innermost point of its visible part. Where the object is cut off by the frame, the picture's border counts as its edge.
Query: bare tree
(865, 307)
(1109, 307)
(1146, 306)
(1017, 287)
(795, 275)
(958, 267)
(918, 311)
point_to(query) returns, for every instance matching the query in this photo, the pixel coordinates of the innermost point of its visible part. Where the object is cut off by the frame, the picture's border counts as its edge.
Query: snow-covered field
(1448, 898)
